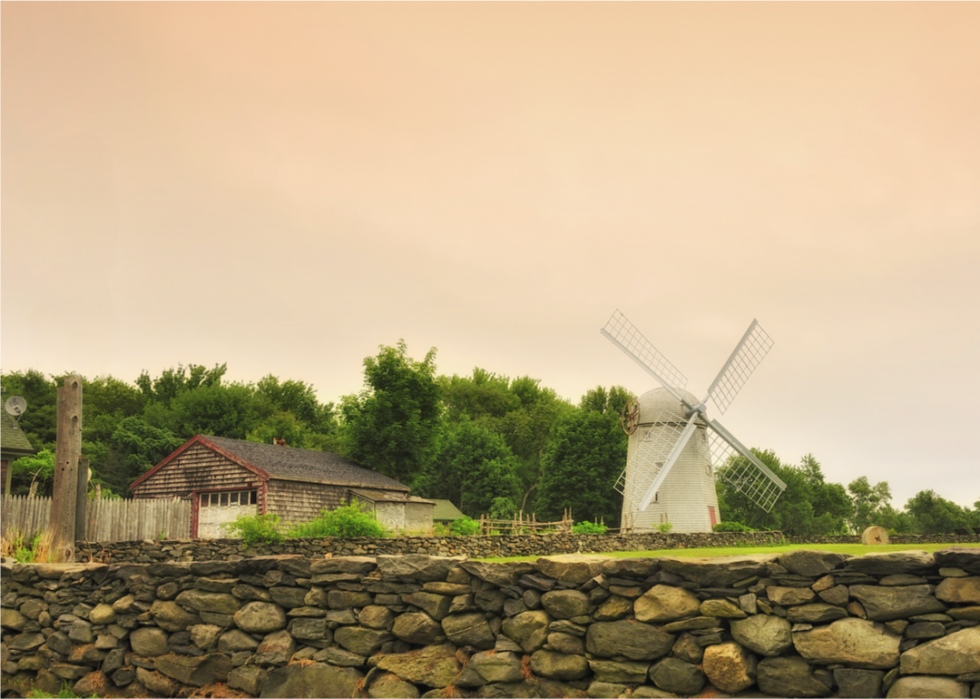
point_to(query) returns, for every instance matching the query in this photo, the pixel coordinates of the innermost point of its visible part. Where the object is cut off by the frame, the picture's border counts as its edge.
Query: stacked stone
(800, 624)
(233, 550)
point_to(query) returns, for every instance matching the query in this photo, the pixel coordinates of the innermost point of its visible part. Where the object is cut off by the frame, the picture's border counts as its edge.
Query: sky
(286, 186)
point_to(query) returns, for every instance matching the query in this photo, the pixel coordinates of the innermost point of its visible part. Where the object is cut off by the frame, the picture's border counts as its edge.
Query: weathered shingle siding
(296, 501)
(198, 468)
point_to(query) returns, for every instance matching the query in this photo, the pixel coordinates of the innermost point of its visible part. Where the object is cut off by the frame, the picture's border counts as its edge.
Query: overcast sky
(285, 187)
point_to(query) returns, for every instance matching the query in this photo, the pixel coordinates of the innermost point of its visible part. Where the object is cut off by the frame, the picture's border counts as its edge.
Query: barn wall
(198, 468)
(299, 501)
(418, 516)
(390, 514)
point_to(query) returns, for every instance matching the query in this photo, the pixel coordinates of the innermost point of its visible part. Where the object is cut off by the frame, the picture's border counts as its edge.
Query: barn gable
(196, 466)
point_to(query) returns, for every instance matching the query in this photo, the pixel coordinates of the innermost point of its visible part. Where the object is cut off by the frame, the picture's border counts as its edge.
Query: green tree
(40, 420)
(37, 470)
(297, 398)
(580, 466)
(174, 381)
(221, 410)
(809, 505)
(393, 425)
(284, 425)
(869, 503)
(932, 514)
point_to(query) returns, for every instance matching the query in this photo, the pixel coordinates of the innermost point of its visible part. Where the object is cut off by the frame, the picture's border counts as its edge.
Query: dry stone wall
(797, 624)
(472, 546)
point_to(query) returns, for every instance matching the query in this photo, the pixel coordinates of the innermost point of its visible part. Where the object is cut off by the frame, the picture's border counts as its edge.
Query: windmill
(675, 448)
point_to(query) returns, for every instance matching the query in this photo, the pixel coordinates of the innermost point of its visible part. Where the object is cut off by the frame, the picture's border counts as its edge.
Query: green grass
(852, 549)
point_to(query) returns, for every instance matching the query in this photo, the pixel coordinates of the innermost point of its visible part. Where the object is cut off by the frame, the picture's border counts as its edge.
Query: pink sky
(284, 187)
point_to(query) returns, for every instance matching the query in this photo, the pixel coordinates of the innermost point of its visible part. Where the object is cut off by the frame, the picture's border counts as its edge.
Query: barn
(225, 478)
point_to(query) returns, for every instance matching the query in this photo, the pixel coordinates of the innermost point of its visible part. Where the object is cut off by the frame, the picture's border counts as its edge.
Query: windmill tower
(675, 450)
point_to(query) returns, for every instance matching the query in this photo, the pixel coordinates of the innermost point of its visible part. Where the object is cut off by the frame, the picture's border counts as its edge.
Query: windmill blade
(748, 354)
(748, 475)
(622, 333)
(653, 458)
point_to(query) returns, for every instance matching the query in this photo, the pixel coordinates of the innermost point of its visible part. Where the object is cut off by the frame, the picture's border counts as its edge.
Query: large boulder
(632, 640)
(789, 596)
(959, 590)
(955, 654)
(353, 565)
(729, 666)
(436, 606)
(234, 641)
(260, 617)
(663, 603)
(762, 634)
(417, 566)
(559, 666)
(571, 568)
(887, 603)
(170, 616)
(810, 563)
(891, 563)
(498, 574)
(529, 630)
(488, 667)
(855, 642)
(196, 671)
(435, 666)
(722, 571)
(565, 604)
(928, 687)
(387, 685)
(317, 680)
(418, 628)
(149, 642)
(673, 675)
(214, 602)
(469, 629)
(619, 672)
(855, 684)
(361, 641)
(789, 677)
(276, 649)
(964, 557)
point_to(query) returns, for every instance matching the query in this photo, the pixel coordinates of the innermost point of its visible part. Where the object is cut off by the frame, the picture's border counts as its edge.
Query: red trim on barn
(199, 439)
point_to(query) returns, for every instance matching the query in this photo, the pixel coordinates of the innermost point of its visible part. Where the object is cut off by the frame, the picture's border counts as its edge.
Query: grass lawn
(852, 549)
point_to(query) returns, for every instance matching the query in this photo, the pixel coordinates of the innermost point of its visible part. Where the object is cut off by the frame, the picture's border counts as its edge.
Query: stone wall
(795, 624)
(471, 546)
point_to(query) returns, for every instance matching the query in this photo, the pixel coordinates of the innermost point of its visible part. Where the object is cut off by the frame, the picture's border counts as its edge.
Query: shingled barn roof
(304, 464)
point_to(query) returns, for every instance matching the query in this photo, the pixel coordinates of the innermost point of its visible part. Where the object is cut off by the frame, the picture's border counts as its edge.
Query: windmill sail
(748, 354)
(649, 463)
(622, 333)
(746, 474)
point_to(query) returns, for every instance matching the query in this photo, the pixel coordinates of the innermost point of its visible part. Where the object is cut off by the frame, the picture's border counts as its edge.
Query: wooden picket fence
(525, 524)
(106, 520)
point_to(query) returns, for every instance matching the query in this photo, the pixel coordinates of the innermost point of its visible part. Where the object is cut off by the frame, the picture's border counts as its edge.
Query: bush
(731, 527)
(346, 521)
(589, 528)
(665, 527)
(464, 526)
(255, 529)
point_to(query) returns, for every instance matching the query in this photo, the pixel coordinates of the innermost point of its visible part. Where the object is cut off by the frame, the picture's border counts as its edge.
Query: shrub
(731, 527)
(256, 529)
(589, 528)
(665, 527)
(346, 521)
(464, 526)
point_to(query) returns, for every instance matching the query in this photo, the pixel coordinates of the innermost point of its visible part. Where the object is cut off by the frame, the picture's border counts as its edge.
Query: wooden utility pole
(81, 500)
(63, 500)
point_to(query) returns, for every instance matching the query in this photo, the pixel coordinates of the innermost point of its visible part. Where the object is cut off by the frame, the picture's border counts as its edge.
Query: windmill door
(711, 513)
(217, 509)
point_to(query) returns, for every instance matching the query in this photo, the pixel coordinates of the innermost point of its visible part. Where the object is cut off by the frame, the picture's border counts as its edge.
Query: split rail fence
(105, 519)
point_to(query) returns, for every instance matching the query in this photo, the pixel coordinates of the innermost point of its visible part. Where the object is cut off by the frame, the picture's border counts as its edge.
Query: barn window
(205, 501)
(224, 499)
(234, 499)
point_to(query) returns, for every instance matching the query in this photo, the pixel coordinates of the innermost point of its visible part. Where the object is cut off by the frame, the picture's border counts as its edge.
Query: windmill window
(707, 469)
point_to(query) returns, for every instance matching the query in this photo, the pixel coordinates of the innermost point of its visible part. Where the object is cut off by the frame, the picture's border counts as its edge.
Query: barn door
(217, 509)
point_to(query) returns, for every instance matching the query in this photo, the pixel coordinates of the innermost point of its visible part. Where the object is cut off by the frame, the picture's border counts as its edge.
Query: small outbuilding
(14, 444)
(225, 478)
(445, 512)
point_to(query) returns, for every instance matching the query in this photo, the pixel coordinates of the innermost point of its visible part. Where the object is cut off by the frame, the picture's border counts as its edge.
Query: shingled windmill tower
(675, 450)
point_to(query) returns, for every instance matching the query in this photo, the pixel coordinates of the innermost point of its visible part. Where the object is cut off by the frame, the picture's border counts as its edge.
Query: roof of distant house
(445, 511)
(13, 441)
(283, 462)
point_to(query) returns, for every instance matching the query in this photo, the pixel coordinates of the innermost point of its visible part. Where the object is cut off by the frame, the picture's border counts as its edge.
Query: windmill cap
(658, 404)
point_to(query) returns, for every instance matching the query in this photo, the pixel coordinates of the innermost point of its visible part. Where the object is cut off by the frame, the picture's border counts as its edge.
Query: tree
(474, 469)
(393, 425)
(580, 466)
(869, 503)
(931, 514)
(809, 505)
(297, 398)
(37, 470)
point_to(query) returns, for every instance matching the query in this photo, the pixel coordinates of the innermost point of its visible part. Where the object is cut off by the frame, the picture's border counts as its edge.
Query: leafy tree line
(488, 443)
